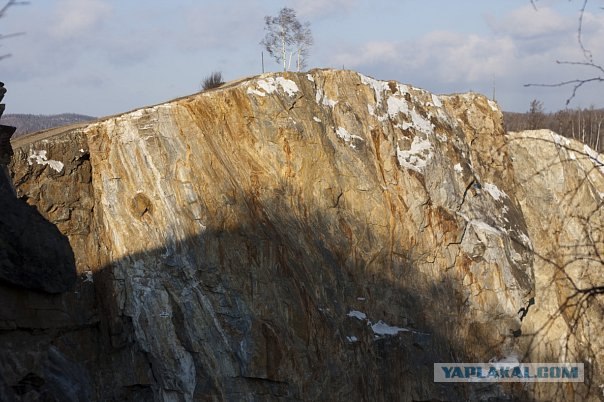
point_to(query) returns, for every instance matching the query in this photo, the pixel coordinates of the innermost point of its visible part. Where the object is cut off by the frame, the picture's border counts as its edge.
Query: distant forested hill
(30, 123)
(585, 125)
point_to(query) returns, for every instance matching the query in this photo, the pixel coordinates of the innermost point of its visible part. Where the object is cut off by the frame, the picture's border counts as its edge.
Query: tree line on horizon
(582, 124)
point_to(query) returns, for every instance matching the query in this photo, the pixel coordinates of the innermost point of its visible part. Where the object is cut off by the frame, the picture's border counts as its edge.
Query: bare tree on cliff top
(286, 36)
(3, 10)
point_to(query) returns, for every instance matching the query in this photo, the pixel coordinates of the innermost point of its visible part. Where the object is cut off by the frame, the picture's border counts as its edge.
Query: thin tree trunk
(283, 53)
(598, 137)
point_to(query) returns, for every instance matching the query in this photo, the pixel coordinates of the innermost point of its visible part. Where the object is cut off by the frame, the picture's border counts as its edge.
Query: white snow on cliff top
(379, 87)
(397, 104)
(271, 84)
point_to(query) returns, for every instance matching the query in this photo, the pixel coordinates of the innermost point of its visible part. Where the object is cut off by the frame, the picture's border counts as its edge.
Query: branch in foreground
(10, 4)
(587, 54)
(576, 83)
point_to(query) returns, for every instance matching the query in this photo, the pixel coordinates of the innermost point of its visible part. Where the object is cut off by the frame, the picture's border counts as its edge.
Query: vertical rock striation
(320, 236)
(560, 187)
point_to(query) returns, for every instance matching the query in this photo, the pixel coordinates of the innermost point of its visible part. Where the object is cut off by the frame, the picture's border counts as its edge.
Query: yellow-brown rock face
(320, 236)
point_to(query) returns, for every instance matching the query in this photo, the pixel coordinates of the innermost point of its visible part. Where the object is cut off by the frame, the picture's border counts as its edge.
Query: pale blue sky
(101, 57)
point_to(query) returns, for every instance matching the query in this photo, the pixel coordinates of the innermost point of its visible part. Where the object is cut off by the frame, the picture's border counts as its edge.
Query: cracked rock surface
(313, 236)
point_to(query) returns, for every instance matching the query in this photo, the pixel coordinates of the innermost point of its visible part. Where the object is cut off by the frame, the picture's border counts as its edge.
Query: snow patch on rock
(357, 314)
(40, 158)
(493, 105)
(348, 138)
(252, 91)
(381, 328)
(417, 157)
(596, 158)
(397, 105)
(560, 140)
(421, 123)
(321, 98)
(379, 87)
(436, 101)
(494, 191)
(271, 84)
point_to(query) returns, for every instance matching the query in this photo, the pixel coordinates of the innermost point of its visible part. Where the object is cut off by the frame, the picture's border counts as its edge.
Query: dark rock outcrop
(6, 132)
(34, 254)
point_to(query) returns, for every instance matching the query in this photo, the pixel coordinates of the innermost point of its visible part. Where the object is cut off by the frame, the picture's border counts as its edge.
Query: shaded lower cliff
(320, 236)
(33, 253)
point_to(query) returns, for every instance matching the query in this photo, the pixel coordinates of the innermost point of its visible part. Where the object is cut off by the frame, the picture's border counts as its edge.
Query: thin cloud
(76, 17)
(468, 58)
(322, 8)
(238, 25)
(447, 57)
(528, 23)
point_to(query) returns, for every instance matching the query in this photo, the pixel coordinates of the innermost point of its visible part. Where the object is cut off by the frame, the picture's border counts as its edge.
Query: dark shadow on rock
(263, 312)
(33, 253)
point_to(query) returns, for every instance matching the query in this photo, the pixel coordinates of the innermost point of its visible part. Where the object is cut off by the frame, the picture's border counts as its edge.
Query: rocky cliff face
(320, 236)
(33, 253)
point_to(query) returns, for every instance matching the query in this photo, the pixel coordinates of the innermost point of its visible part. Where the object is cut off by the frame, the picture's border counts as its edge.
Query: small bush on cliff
(214, 80)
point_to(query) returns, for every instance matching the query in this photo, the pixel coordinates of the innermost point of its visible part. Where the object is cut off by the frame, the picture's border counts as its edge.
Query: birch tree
(303, 41)
(286, 37)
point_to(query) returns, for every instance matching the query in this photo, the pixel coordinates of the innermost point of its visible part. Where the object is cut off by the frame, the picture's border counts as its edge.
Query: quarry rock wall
(314, 236)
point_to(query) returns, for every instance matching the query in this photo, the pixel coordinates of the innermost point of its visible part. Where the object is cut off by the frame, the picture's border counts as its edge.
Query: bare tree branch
(10, 4)
(587, 54)
(582, 63)
(11, 35)
(3, 10)
(576, 85)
